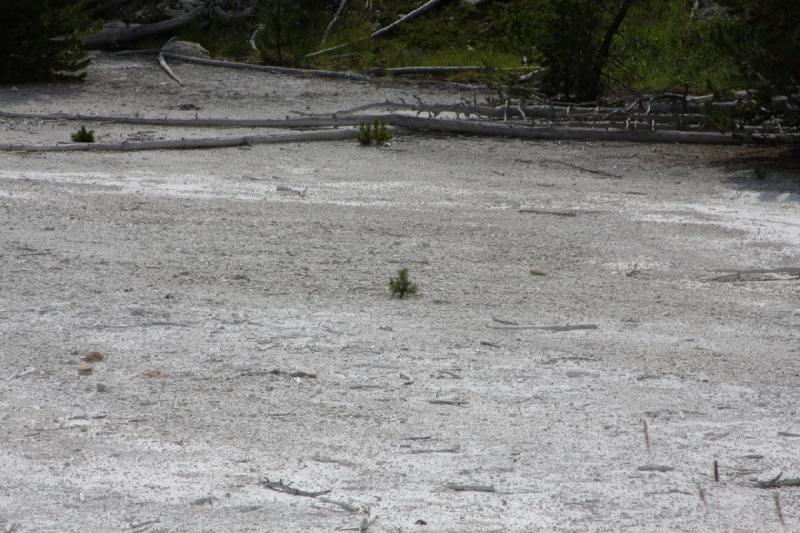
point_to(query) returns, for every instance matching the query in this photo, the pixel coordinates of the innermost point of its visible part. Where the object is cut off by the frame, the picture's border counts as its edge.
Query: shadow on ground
(773, 172)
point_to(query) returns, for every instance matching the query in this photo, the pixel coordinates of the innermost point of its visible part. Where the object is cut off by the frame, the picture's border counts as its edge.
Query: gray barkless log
(184, 144)
(476, 127)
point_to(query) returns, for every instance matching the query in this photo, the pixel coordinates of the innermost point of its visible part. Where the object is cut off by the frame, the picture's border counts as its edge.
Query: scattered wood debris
(85, 369)
(156, 374)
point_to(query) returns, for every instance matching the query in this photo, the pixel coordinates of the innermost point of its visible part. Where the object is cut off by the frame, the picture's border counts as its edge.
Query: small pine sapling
(401, 286)
(83, 135)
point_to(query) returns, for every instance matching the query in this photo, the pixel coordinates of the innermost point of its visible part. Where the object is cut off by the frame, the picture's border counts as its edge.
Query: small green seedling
(374, 132)
(401, 286)
(83, 135)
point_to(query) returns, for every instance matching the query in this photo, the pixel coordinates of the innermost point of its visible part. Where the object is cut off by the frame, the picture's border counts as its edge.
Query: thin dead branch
(504, 321)
(280, 486)
(458, 403)
(254, 36)
(557, 213)
(163, 64)
(266, 68)
(555, 329)
(386, 29)
(336, 18)
(453, 449)
(655, 468)
(460, 487)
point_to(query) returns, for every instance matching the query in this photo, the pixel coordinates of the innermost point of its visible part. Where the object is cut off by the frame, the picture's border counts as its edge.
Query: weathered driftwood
(112, 37)
(386, 29)
(163, 64)
(184, 144)
(267, 68)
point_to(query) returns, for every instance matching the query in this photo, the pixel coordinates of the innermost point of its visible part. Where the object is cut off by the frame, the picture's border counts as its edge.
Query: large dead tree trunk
(113, 37)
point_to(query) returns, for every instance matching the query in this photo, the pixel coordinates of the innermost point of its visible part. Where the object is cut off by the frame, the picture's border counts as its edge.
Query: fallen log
(474, 127)
(184, 144)
(114, 36)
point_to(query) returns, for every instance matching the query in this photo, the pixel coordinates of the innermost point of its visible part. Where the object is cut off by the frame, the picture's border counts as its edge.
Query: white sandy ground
(193, 264)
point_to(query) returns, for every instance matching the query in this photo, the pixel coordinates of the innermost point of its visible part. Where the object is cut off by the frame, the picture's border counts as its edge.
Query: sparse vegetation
(401, 286)
(83, 136)
(375, 132)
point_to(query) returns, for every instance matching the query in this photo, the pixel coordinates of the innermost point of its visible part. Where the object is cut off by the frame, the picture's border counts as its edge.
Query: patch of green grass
(83, 135)
(401, 286)
(374, 132)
